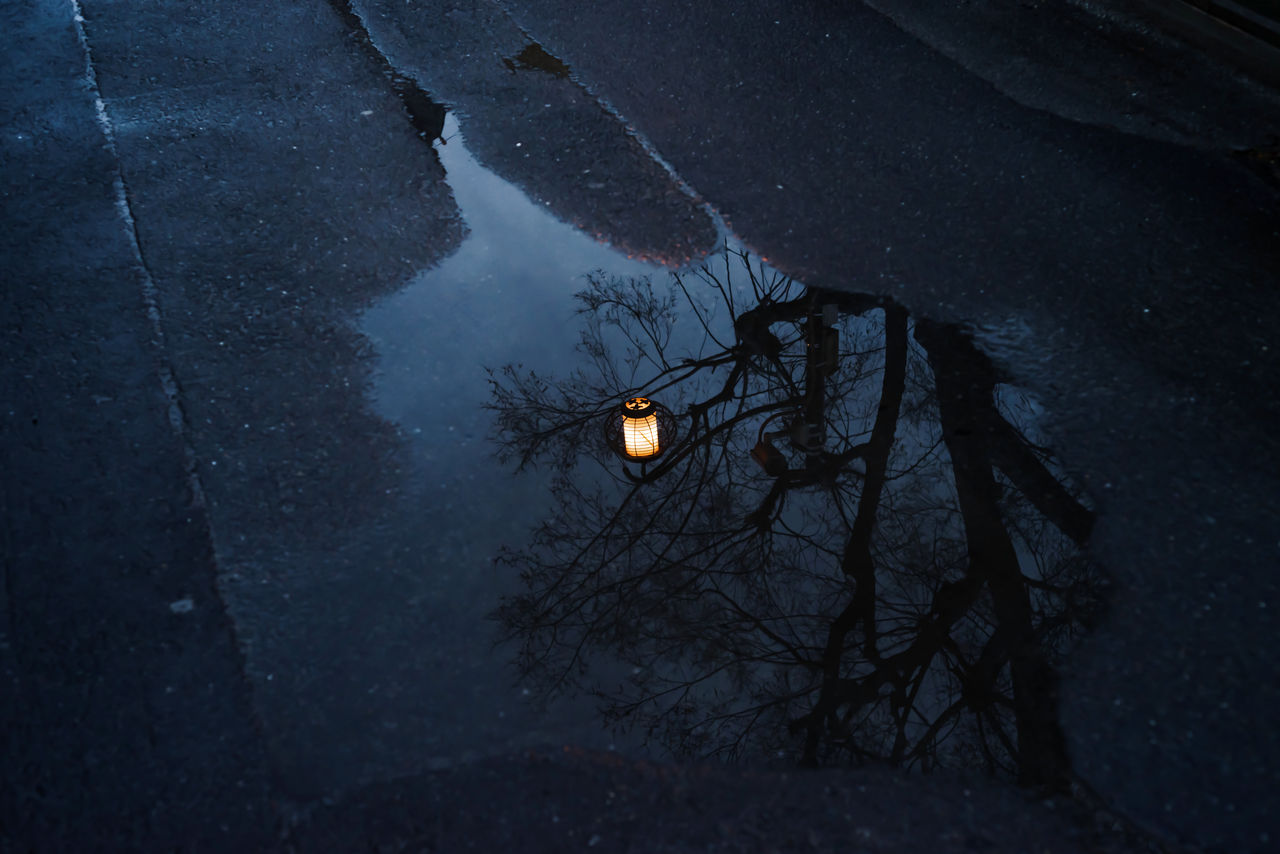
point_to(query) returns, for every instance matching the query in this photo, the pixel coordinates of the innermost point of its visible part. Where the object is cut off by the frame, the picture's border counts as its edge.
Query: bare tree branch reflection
(853, 553)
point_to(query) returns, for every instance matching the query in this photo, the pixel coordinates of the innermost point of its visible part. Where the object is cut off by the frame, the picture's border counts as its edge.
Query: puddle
(504, 297)
(856, 549)
(535, 58)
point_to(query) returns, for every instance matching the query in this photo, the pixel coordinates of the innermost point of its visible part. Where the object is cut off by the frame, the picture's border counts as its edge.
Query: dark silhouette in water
(535, 58)
(895, 586)
(425, 114)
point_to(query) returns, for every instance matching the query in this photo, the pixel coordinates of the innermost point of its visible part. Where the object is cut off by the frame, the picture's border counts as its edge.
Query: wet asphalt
(223, 599)
(1128, 279)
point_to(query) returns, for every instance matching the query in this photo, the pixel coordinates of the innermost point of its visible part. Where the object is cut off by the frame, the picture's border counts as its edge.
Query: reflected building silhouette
(857, 551)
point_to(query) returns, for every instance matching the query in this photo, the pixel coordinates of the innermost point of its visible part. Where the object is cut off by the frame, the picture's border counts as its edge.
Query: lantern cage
(640, 429)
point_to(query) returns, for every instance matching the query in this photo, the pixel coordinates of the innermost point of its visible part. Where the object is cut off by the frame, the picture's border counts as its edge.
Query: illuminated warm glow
(640, 436)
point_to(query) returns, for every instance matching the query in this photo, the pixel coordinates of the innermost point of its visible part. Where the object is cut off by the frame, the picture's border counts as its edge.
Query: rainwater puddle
(505, 297)
(855, 548)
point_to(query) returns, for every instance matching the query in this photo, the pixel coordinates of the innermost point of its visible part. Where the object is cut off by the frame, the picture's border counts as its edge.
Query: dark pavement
(222, 602)
(127, 721)
(1129, 280)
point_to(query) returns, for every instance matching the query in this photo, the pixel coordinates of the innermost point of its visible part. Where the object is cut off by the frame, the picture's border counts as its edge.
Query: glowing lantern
(639, 432)
(640, 429)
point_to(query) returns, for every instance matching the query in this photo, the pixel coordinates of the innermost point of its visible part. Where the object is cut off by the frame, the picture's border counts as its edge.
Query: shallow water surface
(855, 548)
(504, 297)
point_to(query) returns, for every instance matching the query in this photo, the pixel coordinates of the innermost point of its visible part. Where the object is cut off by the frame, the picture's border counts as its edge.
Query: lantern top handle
(637, 407)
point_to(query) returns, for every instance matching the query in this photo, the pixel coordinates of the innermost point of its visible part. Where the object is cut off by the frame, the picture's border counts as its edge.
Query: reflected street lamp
(640, 429)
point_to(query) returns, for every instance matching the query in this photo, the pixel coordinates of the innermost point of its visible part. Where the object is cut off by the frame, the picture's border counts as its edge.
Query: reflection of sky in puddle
(503, 297)
(506, 297)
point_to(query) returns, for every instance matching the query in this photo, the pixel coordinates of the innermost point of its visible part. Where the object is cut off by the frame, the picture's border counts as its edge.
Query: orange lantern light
(640, 429)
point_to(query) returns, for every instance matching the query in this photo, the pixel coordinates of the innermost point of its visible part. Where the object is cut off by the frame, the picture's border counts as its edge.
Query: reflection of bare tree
(895, 585)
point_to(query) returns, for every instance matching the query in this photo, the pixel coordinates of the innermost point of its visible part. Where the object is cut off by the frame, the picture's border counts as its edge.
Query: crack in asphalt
(150, 293)
(162, 358)
(426, 116)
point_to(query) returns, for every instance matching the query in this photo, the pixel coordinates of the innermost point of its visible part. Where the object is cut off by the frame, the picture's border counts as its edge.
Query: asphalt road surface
(251, 273)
